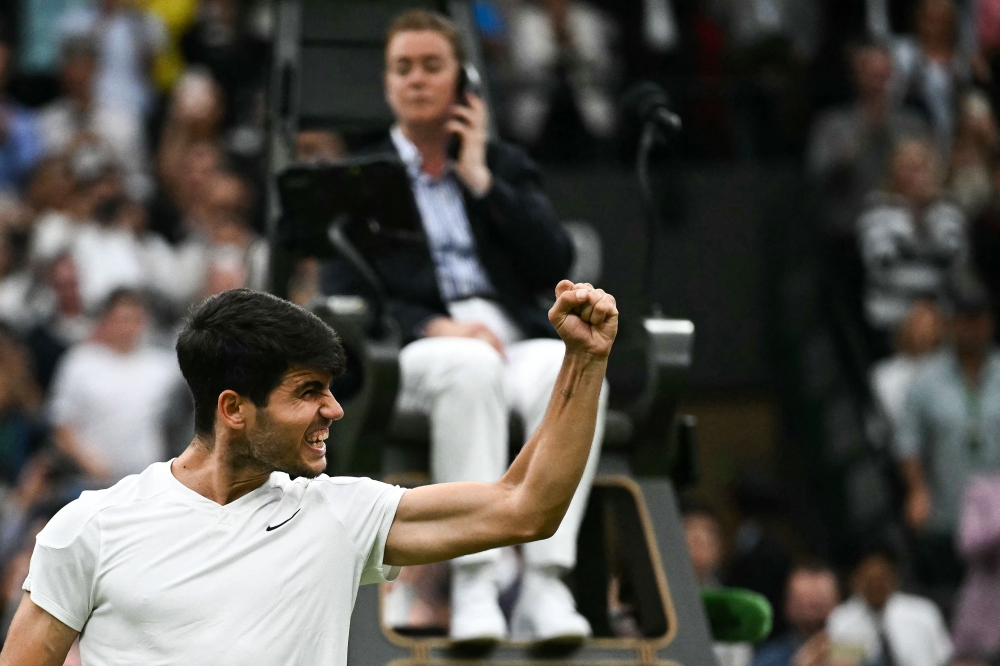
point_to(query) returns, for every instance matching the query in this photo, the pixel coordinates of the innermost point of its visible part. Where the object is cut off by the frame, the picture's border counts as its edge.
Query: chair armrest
(669, 346)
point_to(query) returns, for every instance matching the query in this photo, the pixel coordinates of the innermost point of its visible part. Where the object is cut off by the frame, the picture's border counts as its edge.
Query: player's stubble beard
(267, 447)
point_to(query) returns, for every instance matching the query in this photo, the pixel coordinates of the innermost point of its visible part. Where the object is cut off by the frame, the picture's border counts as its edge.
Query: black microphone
(650, 103)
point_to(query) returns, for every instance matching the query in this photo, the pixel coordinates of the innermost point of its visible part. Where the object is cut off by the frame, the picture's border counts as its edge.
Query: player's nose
(331, 409)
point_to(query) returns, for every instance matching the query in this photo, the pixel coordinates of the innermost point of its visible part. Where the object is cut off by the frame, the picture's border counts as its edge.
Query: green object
(737, 615)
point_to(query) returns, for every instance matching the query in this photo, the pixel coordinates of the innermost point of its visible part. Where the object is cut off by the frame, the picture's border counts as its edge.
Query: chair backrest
(328, 67)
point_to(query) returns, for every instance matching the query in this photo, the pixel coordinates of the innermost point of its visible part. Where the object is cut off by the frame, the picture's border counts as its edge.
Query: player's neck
(215, 475)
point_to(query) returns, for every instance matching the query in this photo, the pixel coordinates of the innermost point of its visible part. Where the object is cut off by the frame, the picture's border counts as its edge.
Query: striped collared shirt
(442, 210)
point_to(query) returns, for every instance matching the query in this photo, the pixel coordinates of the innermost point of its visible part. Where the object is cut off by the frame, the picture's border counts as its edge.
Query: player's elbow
(547, 529)
(539, 526)
(531, 520)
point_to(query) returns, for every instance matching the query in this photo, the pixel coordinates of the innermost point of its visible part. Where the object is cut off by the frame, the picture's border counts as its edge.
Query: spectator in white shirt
(881, 625)
(919, 335)
(77, 112)
(109, 395)
(105, 232)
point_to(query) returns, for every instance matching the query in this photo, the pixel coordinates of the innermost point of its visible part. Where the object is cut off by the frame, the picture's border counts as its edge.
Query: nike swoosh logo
(274, 527)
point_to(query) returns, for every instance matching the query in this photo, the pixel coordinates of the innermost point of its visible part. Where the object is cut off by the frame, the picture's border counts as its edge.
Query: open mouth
(316, 440)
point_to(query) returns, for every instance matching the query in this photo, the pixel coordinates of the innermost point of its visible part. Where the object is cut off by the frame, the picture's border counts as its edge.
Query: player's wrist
(587, 357)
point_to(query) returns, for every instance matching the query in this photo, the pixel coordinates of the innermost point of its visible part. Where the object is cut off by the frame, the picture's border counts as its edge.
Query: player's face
(420, 76)
(289, 435)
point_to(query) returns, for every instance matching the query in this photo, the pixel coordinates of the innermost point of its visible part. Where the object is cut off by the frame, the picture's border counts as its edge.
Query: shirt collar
(411, 156)
(407, 151)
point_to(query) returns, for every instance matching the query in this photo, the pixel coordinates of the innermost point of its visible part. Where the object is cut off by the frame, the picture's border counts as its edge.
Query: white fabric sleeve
(366, 508)
(63, 566)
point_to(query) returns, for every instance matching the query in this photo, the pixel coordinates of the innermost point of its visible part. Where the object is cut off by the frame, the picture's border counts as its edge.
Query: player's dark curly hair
(244, 340)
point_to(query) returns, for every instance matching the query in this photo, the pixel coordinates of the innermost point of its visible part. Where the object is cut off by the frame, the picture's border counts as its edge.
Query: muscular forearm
(545, 474)
(442, 521)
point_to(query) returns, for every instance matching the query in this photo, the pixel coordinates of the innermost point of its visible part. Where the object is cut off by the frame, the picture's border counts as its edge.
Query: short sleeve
(63, 568)
(366, 508)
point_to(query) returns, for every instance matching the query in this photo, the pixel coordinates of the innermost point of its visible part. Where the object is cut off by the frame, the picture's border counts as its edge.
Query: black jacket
(522, 247)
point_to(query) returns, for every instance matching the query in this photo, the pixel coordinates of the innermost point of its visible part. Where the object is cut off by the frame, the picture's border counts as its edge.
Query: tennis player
(241, 551)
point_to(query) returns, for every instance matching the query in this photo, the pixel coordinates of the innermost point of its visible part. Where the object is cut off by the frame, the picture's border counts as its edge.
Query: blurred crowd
(132, 138)
(890, 106)
(131, 172)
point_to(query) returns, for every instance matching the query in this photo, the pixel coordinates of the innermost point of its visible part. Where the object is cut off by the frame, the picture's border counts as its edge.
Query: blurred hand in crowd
(918, 507)
(814, 652)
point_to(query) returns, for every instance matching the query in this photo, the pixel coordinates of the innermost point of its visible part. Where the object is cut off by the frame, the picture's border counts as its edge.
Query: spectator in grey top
(911, 238)
(950, 430)
(850, 146)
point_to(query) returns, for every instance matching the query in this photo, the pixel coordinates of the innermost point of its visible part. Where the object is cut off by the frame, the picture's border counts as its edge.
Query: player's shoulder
(77, 516)
(284, 481)
(341, 493)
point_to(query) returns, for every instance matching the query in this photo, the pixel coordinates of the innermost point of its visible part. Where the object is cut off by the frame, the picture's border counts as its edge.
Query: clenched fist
(585, 318)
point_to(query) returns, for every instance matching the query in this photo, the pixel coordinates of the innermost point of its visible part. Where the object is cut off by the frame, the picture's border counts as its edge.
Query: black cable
(650, 135)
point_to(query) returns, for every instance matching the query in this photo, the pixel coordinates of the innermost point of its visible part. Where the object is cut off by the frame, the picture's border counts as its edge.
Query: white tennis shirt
(153, 573)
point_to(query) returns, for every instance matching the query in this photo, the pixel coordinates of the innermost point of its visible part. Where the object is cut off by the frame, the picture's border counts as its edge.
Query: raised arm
(36, 638)
(443, 521)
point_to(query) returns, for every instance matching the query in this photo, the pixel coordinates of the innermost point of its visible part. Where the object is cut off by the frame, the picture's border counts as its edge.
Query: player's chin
(314, 457)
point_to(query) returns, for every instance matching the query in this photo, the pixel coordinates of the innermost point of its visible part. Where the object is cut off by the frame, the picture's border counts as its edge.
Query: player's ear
(231, 409)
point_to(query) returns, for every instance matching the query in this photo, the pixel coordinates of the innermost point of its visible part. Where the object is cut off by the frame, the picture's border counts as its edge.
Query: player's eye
(403, 67)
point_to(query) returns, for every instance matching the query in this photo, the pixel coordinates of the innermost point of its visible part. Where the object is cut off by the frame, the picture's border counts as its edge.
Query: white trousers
(467, 390)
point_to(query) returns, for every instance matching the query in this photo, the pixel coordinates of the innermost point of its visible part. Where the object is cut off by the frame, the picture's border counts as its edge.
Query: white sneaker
(475, 613)
(546, 611)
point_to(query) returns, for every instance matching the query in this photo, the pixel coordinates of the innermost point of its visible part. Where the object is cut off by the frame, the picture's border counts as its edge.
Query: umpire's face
(420, 77)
